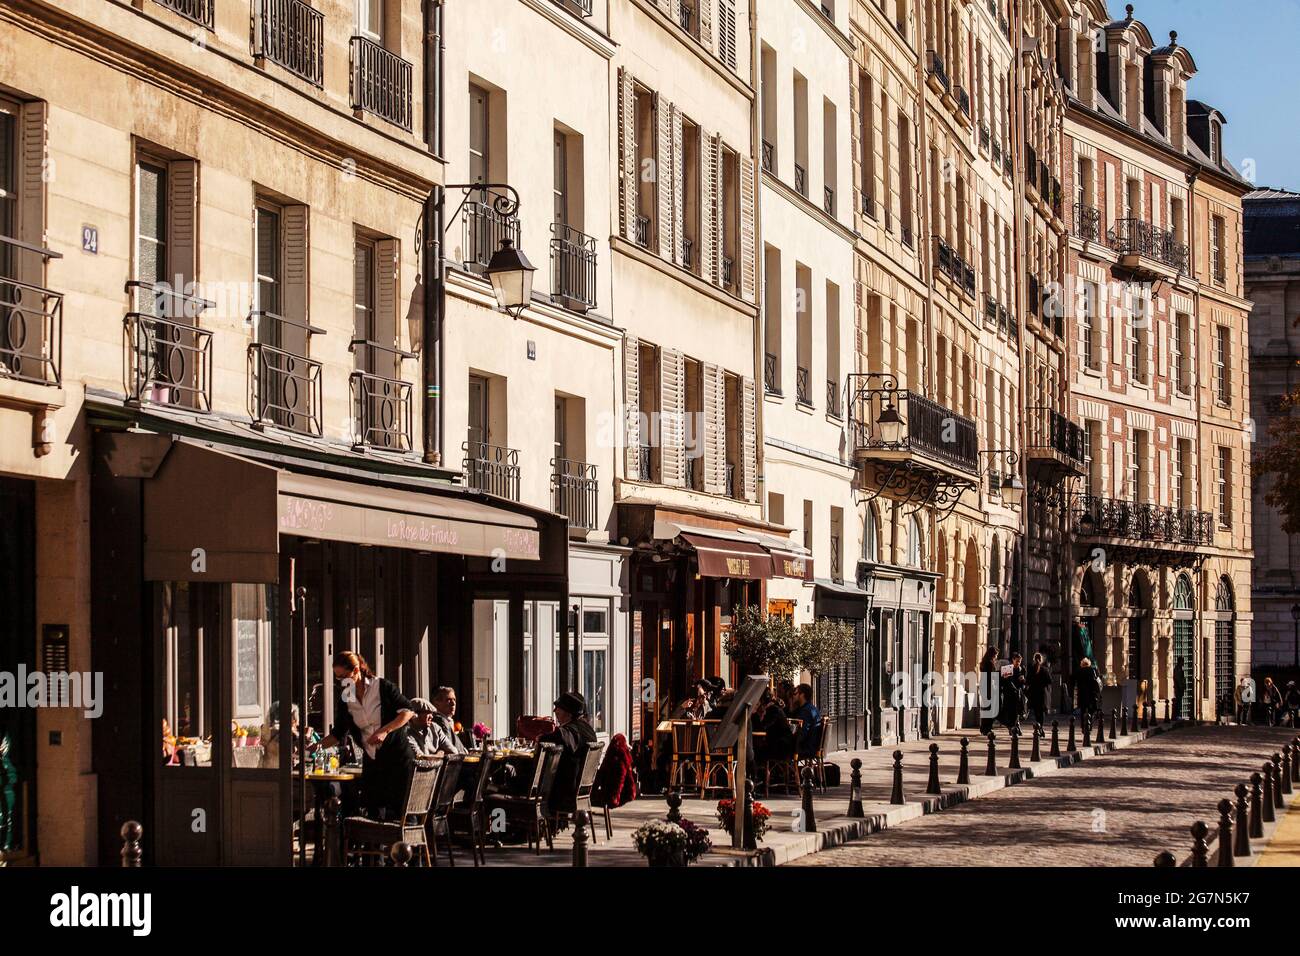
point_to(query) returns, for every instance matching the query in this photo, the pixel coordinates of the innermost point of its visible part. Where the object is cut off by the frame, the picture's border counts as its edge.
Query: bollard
(1087, 730)
(896, 795)
(1145, 707)
(1256, 799)
(1286, 769)
(1165, 858)
(1225, 832)
(1056, 739)
(1101, 727)
(1070, 745)
(401, 854)
(806, 794)
(579, 838)
(932, 786)
(1200, 849)
(1241, 842)
(750, 841)
(963, 768)
(1123, 721)
(855, 789)
(674, 800)
(991, 768)
(1015, 748)
(1034, 755)
(1295, 760)
(131, 852)
(1266, 808)
(1169, 710)
(330, 832)
(1278, 802)
(1114, 717)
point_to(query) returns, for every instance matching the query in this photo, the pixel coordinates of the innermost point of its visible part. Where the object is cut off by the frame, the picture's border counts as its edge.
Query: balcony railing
(952, 265)
(1147, 523)
(833, 398)
(1049, 430)
(1220, 275)
(1135, 237)
(990, 311)
(828, 200)
(800, 180)
(963, 98)
(769, 157)
(771, 374)
(196, 11)
(984, 136)
(573, 268)
(381, 82)
(803, 386)
(934, 65)
(645, 463)
(292, 34)
(728, 271)
(169, 359)
(1008, 165)
(686, 17)
(382, 407)
(492, 469)
(995, 150)
(643, 231)
(284, 386)
(581, 7)
(688, 253)
(868, 206)
(31, 318)
(1087, 222)
(575, 492)
(837, 560)
(928, 428)
(487, 220)
(731, 480)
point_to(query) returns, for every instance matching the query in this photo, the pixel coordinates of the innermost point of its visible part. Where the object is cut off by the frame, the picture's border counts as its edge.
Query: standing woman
(989, 692)
(1040, 682)
(374, 713)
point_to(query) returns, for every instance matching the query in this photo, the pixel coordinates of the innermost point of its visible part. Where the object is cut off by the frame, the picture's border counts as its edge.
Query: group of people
(1009, 692)
(1276, 707)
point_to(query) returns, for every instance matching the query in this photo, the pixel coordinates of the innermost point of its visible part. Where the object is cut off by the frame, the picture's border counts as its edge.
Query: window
(729, 198)
(691, 202)
(560, 169)
(151, 231)
(1139, 452)
(1222, 366)
(915, 548)
(370, 19)
(769, 106)
(905, 178)
(1224, 483)
(833, 349)
(375, 284)
(808, 524)
(1218, 254)
(1139, 326)
(1089, 326)
(1182, 353)
(867, 135)
(266, 291)
(800, 135)
(1092, 453)
(1182, 484)
(803, 334)
(870, 535)
(594, 643)
(479, 123)
(647, 139)
(830, 154)
(772, 308)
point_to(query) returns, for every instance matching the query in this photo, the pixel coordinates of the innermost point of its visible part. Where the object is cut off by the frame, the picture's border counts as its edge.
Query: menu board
(245, 665)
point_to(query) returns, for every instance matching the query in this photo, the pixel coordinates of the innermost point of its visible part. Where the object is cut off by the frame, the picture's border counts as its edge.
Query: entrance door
(1184, 651)
(17, 646)
(492, 664)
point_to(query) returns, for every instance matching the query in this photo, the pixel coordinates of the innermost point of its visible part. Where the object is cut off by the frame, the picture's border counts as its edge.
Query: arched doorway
(1225, 647)
(995, 596)
(1139, 628)
(1092, 610)
(1184, 641)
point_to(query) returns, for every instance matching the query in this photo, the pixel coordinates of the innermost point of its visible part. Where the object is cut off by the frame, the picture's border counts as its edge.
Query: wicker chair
(369, 840)
(716, 759)
(469, 815)
(686, 753)
(530, 808)
(440, 816)
(586, 781)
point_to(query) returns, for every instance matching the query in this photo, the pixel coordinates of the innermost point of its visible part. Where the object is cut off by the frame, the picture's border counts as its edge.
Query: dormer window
(1216, 143)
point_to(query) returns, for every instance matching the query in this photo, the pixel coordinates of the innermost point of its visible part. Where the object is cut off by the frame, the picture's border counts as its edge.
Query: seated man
(443, 724)
(810, 734)
(421, 737)
(574, 735)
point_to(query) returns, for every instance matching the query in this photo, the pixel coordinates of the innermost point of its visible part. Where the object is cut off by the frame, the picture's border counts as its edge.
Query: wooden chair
(587, 780)
(716, 759)
(366, 839)
(530, 807)
(817, 762)
(444, 798)
(469, 812)
(686, 735)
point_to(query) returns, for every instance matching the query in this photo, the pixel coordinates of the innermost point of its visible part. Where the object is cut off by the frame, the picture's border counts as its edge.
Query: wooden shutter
(31, 192)
(388, 256)
(726, 30)
(669, 7)
(627, 164)
(182, 223)
(749, 440)
(713, 210)
(715, 430)
(664, 175)
(706, 23)
(294, 278)
(748, 231)
(632, 406)
(708, 205)
(672, 399)
(679, 199)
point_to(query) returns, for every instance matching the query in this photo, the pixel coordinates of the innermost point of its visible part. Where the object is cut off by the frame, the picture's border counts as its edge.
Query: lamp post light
(511, 275)
(890, 424)
(1011, 489)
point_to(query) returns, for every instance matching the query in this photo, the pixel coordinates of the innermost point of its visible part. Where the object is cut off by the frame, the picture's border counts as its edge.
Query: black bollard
(1056, 739)
(401, 854)
(131, 832)
(1286, 769)
(674, 800)
(750, 840)
(1200, 849)
(1278, 802)
(330, 832)
(1256, 801)
(991, 768)
(896, 794)
(1101, 727)
(1087, 731)
(1145, 707)
(963, 768)
(1165, 858)
(806, 794)
(1015, 749)
(1295, 760)
(579, 838)
(1225, 832)
(1169, 710)
(1070, 745)
(1114, 718)
(1034, 755)
(1241, 840)
(1266, 807)
(1123, 721)
(855, 789)
(932, 785)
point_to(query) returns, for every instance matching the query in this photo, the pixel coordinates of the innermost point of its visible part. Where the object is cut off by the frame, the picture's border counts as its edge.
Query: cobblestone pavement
(1118, 810)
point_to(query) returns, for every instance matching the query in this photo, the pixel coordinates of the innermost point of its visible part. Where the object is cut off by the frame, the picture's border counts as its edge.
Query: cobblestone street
(1118, 810)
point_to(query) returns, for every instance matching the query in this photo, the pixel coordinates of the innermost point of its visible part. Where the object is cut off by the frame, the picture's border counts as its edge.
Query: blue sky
(1246, 54)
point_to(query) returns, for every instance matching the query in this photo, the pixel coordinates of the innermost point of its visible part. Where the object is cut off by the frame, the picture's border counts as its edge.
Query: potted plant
(760, 643)
(481, 732)
(661, 843)
(825, 643)
(727, 817)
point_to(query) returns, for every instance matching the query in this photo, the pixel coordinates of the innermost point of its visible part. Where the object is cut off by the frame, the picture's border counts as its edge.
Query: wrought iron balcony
(990, 311)
(769, 157)
(731, 480)
(1143, 245)
(1008, 164)
(984, 136)
(928, 429)
(645, 461)
(837, 559)
(1087, 222)
(575, 491)
(284, 385)
(169, 357)
(803, 386)
(201, 12)
(833, 398)
(581, 7)
(954, 267)
(828, 200)
(963, 99)
(31, 317)
(292, 34)
(728, 271)
(1053, 438)
(492, 469)
(488, 218)
(1149, 525)
(573, 268)
(800, 180)
(688, 253)
(771, 374)
(383, 407)
(934, 66)
(643, 231)
(381, 82)
(996, 151)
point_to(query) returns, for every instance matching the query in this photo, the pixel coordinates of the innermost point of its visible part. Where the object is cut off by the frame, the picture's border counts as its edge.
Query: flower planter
(660, 857)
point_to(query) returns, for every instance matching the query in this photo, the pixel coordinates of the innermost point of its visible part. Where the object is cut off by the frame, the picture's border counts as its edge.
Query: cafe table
(326, 784)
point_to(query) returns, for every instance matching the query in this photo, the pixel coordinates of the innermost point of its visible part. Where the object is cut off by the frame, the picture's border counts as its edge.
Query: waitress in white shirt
(374, 713)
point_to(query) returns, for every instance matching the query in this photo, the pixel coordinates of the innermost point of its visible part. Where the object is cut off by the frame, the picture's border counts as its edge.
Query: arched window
(871, 535)
(1183, 597)
(1086, 596)
(915, 553)
(1223, 599)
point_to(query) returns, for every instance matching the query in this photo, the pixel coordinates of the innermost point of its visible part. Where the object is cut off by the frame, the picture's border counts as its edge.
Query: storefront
(899, 649)
(17, 654)
(225, 579)
(842, 691)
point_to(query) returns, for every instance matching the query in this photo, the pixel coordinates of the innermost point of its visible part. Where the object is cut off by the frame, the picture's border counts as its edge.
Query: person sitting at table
(444, 723)
(810, 734)
(374, 713)
(421, 738)
(694, 708)
(721, 704)
(574, 734)
(777, 742)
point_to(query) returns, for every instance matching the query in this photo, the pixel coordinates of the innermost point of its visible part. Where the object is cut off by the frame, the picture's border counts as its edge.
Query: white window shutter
(679, 206)
(182, 223)
(627, 160)
(664, 176)
(748, 231)
(632, 406)
(295, 280)
(714, 447)
(672, 399)
(749, 440)
(706, 23)
(388, 263)
(708, 205)
(715, 227)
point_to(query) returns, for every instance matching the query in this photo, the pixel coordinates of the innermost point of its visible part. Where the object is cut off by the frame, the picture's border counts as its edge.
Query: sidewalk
(783, 843)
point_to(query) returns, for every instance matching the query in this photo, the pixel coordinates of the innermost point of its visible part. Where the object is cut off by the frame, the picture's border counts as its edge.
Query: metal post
(1256, 801)
(1266, 807)
(132, 854)
(1295, 760)
(1165, 859)
(1225, 832)
(991, 768)
(1015, 748)
(1056, 739)
(1123, 720)
(329, 832)
(1241, 843)
(579, 838)
(1169, 711)
(855, 789)
(896, 794)
(750, 838)
(1101, 727)
(1070, 745)
(1034, 755)
(806, 794)
(1286, 769)
(1114, 718)
(1278, 802)
(963, 768)
(1200, 848)
(932, 785)
(674, 800)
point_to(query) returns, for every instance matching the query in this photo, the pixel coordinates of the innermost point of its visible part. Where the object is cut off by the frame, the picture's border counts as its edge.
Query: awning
(210, 515)
(729, 557)
(840, 599)
(788, 559)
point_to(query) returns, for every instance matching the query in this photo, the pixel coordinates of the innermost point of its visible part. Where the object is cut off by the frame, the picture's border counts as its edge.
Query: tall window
(867, 117)
(479, 100)
(1091, 337)
(370, 19)
(871, 535)
(1218, 255)
(1222, 367)
(267, 268)
(151, 230)
(1092, 435)
(1182, 352)
(915, 547)
(1224, 483)
(1182, 485)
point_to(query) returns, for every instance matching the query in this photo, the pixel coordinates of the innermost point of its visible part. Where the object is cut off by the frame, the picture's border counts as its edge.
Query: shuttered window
(726, 30)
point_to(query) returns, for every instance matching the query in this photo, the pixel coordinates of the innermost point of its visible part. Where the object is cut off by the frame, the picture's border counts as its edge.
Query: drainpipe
(760, 264)
(1019, 241)
(435, 295)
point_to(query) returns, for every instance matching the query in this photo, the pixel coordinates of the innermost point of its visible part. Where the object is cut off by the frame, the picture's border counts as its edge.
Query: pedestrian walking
(989, 679)
(1270, 697)
(1013, 693)
(1244, 696)
(1088, 682)
(1039, 686)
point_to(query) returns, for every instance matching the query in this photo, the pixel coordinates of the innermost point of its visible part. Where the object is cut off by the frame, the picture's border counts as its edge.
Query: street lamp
(1010, 488)
(511, 275)
(890, 424)
(1013, 489)
(1295, 616)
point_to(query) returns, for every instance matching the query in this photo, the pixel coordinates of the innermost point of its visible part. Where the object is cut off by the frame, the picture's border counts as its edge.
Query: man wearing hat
(574, 734)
